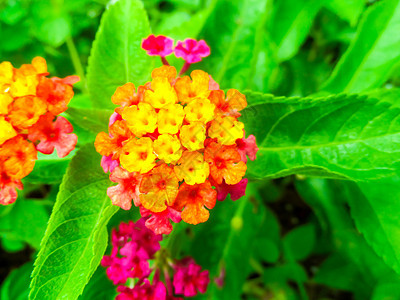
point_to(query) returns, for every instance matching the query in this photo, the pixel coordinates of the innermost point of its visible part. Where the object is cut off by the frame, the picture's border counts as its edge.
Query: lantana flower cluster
(30, 103)
(137, 260)
(175, 145)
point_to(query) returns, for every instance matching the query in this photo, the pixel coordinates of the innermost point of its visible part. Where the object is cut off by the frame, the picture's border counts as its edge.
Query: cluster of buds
(29, 105)
(175, 146)
(134, 246)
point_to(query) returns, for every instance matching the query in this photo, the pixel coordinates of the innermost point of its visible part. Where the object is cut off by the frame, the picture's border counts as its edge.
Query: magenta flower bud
(158, 45)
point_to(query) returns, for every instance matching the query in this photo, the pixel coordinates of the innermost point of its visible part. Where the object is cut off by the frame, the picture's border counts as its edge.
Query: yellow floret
(5, 100)
(192, 136)
(162, 93)
(168, 148)
(141, 118)
(138, 155)
(6, 75)
(6, 131)
(192, 168)
(199, 109)
(226, 130)
(170, 118)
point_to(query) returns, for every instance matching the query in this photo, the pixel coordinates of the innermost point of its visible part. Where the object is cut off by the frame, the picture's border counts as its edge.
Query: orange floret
(225, 163)
(231, 105)
(126, 95)
(164, 71)
(193, 199)
(26, 111)
(19, 157)
(192, 168)
(111, 144)
(159, 188)
(188, 89)
(138, 156)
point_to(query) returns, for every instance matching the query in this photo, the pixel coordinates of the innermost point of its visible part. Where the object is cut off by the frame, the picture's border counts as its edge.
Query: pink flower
(158, 45)
(126, 190)
(191, 50)
(237, 191)
(8, 190)
(159, 223)
(108, 164)
(247, 147)
(188, 278)
(53, 135)
(145, 291)
(113, 118)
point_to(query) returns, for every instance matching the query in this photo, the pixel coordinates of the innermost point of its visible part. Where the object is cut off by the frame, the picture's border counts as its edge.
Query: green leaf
(94, 120)
(16, 285)
(299, 243)
(373, 53)
(76, 236)
(99, 286)
(286, 272)
(49, 168)
(342, 136)
(117, 57)
(240, 53)
(349, 10)
(387, 291)
(374, 207)
(291, 23)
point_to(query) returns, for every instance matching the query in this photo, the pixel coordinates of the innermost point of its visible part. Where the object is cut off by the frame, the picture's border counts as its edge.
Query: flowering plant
(125, 172)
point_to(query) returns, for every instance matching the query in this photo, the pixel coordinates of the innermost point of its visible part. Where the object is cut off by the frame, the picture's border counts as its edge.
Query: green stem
(76, 62)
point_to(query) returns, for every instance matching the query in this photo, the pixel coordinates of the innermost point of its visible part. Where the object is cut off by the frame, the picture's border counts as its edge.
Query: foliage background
(295, 237)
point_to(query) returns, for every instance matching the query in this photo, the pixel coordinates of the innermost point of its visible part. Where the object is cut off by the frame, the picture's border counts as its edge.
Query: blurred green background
(304, 242)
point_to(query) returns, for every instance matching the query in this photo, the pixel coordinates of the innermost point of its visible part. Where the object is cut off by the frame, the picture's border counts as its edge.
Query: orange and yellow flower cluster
(170, 142)
(29, 105)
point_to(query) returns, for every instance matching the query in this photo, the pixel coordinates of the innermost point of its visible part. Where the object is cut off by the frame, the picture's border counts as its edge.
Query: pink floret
(191, 50)
(158, 45)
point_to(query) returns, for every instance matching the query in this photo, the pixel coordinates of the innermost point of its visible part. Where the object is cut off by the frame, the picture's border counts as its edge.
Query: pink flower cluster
(191, 50)
(133, 246)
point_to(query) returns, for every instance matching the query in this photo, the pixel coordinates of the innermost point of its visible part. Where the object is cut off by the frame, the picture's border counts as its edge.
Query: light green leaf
(117, 57)
(372, 55)
(94, 120)
(374, 207)
(349, 10)
(352, 137)
(240, 52)
(76, 236)
(291, 23)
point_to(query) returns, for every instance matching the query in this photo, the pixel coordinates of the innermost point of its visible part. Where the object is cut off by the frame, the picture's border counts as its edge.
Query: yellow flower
(168, 148)
(170, 118)
(192, 136)
(6, 131)
(188, 89)
(141, 118)
(226, 130)
(162, 93)
(200, 109)
(192, 168)
(138, 155)
(5, 100)
(6, 75)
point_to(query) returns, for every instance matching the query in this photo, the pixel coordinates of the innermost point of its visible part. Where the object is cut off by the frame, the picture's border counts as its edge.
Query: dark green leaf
(299, 242)
(99, 287)
(16, 285)
(76, 236)
(116, 56)
(370, 58)
(338, 136)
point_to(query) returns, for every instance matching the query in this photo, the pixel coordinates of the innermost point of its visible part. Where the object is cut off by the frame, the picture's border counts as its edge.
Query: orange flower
(188, 89)
(225, 163)
(112, 144)
(18, 156)
(164, 71)
(126, 96)
(159, 188)
(26, 111)
(193, 199)
(231, 105)
(56, 92)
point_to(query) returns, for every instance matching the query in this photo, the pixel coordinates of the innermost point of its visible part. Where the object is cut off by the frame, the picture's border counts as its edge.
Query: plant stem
(76, 62)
